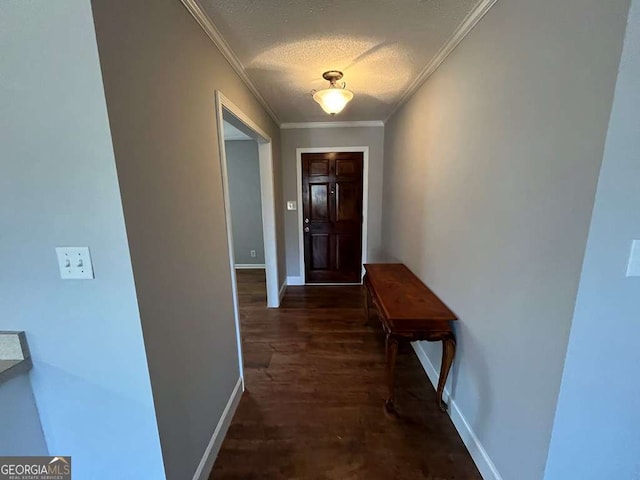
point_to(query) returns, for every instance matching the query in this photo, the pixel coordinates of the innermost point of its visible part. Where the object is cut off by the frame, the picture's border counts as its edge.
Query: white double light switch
(291, 205)
(633, 269)
(74, 263)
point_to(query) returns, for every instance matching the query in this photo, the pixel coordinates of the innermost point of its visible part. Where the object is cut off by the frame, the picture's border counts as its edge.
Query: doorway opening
(248, 186)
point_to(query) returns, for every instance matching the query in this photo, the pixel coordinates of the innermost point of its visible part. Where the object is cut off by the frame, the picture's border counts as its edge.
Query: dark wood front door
(332, 216)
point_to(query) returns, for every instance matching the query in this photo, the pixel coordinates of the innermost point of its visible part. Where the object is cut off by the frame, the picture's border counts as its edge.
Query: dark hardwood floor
(315, 389)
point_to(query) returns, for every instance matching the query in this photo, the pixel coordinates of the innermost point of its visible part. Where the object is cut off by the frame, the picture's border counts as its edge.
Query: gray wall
(490, 177)
(21, 432)
(373, 137)
(243, 170)
(596, 431)
(58, 187)
(161, 72)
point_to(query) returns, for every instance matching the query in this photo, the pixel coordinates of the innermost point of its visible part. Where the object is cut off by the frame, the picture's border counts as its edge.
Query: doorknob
(306, 229)
(306, 220)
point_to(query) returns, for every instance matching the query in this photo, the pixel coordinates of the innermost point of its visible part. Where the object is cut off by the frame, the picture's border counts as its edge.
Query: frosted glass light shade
(333, 100)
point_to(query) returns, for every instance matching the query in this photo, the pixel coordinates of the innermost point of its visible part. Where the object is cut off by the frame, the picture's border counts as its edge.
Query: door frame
(365, 202)
(267, 199)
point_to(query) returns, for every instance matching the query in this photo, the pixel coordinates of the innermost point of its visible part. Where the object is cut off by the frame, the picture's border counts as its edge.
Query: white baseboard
(480, 456)
(283, 288)
(210, 454)
(250, 266)
(295, 281)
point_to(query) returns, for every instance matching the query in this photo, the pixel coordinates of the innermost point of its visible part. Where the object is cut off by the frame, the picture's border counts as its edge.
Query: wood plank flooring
(315, 389)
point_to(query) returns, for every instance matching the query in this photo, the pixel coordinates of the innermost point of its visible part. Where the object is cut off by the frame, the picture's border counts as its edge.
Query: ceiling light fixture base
(333, 99)
(332, 75)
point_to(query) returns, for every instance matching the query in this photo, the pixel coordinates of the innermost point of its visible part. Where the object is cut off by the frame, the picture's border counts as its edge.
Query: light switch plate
(291, 205)
(633, 269)
(74, 263)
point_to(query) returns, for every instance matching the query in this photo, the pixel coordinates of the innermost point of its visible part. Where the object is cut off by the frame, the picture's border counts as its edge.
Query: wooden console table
(408, 311)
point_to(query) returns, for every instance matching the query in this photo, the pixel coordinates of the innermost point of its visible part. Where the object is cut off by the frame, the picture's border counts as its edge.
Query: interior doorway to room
(246, 161)
(245, 204)
(333, 219)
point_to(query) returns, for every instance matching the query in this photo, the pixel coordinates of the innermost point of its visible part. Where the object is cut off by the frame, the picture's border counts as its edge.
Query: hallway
(313, 405)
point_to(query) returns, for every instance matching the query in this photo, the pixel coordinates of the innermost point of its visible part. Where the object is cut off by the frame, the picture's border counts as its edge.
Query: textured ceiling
(380, 45)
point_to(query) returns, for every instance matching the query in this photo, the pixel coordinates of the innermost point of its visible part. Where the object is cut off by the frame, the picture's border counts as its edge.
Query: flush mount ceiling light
(335, 98)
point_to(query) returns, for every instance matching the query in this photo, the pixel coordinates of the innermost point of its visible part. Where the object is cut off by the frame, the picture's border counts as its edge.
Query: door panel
(348, 202)
(347, 257)
(319, 167)
(332, 216)
(320, 252)
(348, 168)
(319, 201)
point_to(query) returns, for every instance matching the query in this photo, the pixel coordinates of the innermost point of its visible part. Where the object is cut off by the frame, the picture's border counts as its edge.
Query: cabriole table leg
(367, 300)
(448, 352)
(392, 352)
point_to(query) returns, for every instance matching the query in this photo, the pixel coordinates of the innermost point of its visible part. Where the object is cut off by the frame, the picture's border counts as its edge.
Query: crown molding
(374, 123)
(454, 40)
(203, 19)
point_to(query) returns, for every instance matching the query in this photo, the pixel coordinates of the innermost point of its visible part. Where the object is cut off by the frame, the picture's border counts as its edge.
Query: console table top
(402, 296)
